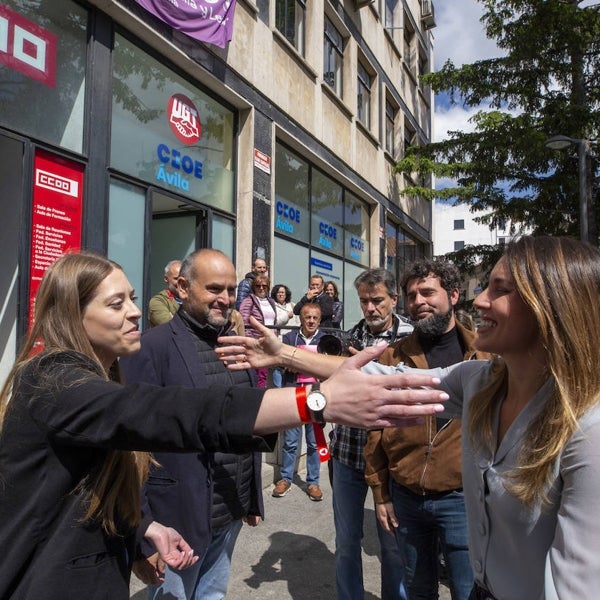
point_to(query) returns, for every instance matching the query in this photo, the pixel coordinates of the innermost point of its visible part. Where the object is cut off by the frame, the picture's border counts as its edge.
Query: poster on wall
(56, 215)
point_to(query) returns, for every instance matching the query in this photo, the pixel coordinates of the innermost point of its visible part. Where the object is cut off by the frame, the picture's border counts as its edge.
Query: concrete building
(122, 134)
(454, 227)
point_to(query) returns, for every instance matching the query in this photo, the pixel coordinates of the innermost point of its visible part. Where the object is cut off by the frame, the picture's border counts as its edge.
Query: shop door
(177, 228)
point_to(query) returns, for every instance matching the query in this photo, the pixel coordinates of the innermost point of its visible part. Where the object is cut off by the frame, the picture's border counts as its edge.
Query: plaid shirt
(347, 443)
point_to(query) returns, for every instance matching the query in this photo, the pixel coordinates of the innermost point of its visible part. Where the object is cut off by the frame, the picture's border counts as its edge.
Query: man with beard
(378, 295)
(207, 496)
(415, 472)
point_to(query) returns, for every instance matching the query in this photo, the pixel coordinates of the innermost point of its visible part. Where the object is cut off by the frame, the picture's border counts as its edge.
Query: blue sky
(459, 36)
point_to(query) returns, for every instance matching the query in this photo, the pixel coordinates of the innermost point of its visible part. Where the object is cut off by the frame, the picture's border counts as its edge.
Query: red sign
(56, 218)
(26, 47)
(184, 119)
(262, 161)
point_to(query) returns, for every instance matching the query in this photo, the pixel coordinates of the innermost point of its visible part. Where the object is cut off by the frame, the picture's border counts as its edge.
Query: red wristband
(303, 411)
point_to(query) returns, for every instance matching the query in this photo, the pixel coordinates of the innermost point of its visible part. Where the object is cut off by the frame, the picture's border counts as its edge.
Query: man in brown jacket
(415, 472)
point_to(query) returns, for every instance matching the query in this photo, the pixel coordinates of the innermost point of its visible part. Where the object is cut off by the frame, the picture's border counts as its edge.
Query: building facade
(125, 136)
(455, 227)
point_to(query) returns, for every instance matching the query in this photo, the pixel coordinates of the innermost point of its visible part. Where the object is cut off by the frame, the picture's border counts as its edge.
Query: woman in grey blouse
(531, 422)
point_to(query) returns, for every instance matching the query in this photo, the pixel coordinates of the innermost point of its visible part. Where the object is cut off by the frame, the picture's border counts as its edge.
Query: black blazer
(62, 419)
(179, 492)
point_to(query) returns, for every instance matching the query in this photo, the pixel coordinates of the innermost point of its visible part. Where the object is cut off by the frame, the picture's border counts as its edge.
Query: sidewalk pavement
(291, 553)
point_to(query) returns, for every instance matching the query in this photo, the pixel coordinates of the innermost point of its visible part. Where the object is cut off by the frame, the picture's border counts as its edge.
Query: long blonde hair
(68, 286)
(559, 279)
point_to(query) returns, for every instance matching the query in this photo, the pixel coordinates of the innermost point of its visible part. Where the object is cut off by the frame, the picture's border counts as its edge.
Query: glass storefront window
(391, 247)
(401, 250)
(42, 70)
(223, 235)
(168, 132)
(327, 214)
(356, 225)
(291, 195)
(126, 210)
(290, 267)
(352, 312)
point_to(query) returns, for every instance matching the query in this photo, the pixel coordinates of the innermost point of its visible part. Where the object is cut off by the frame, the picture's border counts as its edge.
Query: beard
(376, 323)
(434, 326)
(217, 321)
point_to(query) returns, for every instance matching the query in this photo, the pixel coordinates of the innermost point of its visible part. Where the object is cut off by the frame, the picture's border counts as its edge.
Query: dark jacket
(422, 458)
(179, 493)
(62, 419)
(324, 301)
(244, 288)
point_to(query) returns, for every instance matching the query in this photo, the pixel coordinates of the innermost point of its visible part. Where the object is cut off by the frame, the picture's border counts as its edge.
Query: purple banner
(205, 20)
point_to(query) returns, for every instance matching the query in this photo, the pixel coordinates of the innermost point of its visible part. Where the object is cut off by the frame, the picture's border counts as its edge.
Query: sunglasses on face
(261, 287)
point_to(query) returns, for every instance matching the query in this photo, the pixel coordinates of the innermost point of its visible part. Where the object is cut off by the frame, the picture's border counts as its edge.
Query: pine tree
(546, 83)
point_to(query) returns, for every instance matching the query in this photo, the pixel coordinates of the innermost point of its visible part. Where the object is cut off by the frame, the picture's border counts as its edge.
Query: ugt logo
(184, 119)
(27, 47)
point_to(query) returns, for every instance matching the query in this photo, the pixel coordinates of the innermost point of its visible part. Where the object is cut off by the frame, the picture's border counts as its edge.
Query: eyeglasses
(261, 287)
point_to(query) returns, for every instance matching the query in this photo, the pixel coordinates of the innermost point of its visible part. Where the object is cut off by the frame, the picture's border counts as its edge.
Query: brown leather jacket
(421, 458)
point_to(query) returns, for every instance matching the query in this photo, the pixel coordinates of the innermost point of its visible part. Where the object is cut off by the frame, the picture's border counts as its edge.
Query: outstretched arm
(358, 399)
(267, 351)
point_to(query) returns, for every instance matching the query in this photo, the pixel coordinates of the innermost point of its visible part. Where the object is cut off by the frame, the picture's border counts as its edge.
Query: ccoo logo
(27, 47)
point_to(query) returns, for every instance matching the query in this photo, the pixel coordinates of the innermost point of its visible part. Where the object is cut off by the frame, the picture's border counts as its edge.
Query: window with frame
(290, 21)
(410, 58)
(423, 69)
(459, 245)
(365, 81)
(393, 20)
(333, 58)
(391, 113)
(459, 223)
(410, 136)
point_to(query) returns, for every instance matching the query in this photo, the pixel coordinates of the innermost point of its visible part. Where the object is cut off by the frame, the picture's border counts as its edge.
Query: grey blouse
(517, 553)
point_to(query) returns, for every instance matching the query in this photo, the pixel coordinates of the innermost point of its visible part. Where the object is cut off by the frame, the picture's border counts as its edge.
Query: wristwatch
(316, 403)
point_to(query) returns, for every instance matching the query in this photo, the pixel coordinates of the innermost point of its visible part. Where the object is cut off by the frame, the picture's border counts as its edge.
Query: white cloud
(460, 37)
(455, 118)
(459, 34)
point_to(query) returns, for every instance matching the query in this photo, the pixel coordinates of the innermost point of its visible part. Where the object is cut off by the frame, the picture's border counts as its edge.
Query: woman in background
(282, 295)
(262, 307)
(331, 289)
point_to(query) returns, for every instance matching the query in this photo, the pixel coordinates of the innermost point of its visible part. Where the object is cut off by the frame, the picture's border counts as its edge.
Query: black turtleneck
(443, 350)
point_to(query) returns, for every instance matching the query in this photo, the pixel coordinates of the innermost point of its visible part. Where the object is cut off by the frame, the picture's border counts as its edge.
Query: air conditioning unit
(427, 14)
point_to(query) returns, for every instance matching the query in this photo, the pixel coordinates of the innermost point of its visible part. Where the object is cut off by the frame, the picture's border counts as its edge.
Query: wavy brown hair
(68, 286)
(558, 278)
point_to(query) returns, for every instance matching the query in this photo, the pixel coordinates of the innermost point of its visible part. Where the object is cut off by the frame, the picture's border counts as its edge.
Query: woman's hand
(373, 401)
(171, 547)
(246, 352)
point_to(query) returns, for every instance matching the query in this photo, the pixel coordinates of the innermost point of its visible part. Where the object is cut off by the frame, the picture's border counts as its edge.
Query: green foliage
(547, 83)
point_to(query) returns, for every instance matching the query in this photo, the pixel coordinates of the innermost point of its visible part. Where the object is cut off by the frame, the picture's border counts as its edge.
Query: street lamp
(560, 142)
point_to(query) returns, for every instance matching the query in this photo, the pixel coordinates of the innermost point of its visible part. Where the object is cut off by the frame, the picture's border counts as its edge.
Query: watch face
(316, 401)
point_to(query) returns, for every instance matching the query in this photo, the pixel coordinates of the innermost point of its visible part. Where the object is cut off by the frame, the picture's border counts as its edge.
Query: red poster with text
(56, 218)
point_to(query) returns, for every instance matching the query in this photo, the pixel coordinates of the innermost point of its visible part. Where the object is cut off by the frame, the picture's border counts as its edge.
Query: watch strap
(305, 417)
(303, 411)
